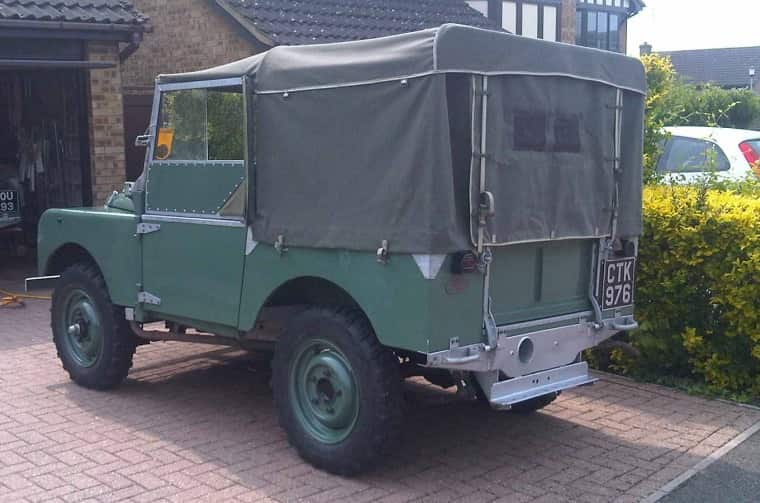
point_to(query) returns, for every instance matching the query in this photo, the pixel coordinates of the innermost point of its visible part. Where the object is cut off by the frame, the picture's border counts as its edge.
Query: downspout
(131, 47)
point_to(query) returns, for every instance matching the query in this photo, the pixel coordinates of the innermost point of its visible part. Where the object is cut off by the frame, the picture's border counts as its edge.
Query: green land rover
(454, 203)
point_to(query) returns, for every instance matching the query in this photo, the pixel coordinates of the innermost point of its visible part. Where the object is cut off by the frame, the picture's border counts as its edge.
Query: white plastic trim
(429, 265)
(250, 244)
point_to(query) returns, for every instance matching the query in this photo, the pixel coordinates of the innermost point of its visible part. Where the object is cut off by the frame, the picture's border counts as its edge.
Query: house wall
(567, 28)
(106, 122)
(187, 35)
(624, 37)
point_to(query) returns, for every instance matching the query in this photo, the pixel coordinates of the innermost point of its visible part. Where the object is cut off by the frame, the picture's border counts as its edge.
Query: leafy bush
(698, 288)
(709, 105)
(661, 79)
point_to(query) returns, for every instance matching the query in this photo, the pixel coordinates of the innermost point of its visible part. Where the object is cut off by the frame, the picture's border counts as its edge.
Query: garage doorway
(44, 148)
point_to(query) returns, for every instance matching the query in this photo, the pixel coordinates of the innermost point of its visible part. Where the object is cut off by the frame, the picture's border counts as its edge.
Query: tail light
(752, 156)
(464, 262)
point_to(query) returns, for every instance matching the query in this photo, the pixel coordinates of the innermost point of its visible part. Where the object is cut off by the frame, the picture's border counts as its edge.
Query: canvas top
(451, 48)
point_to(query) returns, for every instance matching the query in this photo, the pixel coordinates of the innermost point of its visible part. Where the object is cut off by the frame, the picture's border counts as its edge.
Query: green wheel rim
(82, 328)
(323, 391)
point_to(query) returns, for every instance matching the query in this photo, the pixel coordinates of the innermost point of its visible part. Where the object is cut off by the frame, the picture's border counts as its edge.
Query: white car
(691, 153)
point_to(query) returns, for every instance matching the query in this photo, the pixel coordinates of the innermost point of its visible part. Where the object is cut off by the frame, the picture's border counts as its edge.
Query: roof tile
(79, 11)
(297, 22)
(724, 67)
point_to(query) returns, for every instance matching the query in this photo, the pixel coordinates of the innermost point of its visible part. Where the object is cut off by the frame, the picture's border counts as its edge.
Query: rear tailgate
(540, 280)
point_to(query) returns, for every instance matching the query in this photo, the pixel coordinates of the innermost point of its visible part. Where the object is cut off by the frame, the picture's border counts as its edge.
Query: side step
(505, 393)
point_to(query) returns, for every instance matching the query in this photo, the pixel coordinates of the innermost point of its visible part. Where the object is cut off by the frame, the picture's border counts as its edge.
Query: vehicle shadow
(215, 407)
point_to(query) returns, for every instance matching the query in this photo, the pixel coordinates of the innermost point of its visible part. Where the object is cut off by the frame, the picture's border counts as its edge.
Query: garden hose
(10, 299)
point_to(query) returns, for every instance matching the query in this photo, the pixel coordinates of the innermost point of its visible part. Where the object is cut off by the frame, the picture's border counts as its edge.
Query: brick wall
(107, 165)
(568, 22)
(187, 35)
(624, 37)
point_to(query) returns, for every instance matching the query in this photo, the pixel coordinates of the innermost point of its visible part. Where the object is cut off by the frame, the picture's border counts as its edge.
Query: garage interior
(44, 148)
(43, 145)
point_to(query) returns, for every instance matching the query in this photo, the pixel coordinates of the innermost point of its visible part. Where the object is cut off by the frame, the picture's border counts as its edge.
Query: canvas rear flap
(549, 158)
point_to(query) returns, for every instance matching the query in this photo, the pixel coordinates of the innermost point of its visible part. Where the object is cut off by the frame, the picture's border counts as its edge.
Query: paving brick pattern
(197, 423)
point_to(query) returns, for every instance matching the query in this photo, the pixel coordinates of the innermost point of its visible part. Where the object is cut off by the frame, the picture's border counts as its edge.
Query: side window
(538, 131)
(567, 133)
(689, 155)
(200, 125)
(530, 131)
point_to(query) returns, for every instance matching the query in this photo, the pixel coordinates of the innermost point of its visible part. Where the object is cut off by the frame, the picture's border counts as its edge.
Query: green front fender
(107, 236)
(406, 310)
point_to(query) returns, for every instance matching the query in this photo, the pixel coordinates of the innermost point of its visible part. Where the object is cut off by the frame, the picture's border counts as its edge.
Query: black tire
(374, 371)
(107, 365)
(534, 404)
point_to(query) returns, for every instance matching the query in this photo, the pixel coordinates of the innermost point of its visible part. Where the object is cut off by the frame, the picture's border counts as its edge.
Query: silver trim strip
(443, 72)
(183, 219)
(546, 240)
(201, 84)
(545, 321)
(210, 163)
(27, 281)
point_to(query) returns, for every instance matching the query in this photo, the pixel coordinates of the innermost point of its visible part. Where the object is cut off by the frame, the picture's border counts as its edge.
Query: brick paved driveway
(197, 422)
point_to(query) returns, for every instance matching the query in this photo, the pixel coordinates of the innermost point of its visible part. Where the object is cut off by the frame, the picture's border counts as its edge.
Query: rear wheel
(94, 342)
(337, 390)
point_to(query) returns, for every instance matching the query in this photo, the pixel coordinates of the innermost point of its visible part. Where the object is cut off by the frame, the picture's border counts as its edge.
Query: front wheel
(337, 390)
(93, 339)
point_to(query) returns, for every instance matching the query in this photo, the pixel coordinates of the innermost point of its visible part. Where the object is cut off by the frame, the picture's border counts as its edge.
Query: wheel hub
(325, 392)
(82, 327)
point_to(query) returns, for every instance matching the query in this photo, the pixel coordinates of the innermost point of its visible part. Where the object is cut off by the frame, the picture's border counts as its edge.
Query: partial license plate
(617, 282)
(9, 203)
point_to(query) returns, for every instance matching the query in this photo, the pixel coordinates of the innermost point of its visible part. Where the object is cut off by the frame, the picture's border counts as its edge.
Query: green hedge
(698, 289)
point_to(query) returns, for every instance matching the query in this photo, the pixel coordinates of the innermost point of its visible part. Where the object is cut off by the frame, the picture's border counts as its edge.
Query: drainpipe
(131, 47)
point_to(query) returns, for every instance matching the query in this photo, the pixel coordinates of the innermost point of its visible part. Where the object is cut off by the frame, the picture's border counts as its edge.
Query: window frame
(187, 86)
(160, 88)
(496, 9)
(541, 4)
(582, 12)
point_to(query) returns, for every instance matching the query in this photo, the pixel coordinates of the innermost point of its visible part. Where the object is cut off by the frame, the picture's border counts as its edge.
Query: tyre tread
(123, 343)
(384, 368)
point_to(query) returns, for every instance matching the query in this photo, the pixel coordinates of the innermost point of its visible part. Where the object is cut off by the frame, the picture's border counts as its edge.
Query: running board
(503, 394)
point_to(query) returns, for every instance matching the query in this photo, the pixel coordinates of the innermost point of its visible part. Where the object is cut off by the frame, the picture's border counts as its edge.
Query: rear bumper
(504, 394)
(530, 352)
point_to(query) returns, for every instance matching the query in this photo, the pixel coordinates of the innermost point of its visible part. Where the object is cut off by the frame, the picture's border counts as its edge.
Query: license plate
(9, 203)
(617, 282)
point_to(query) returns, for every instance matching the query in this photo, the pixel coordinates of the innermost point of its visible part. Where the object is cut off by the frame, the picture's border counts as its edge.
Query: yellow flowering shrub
(698, 287)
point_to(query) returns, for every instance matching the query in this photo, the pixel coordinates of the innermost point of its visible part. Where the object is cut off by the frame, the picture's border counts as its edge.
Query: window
(550, 23)
(201, 125)
(599, 29)
(531, 18)
(689, 155)
(530, 132)
(567, 133)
